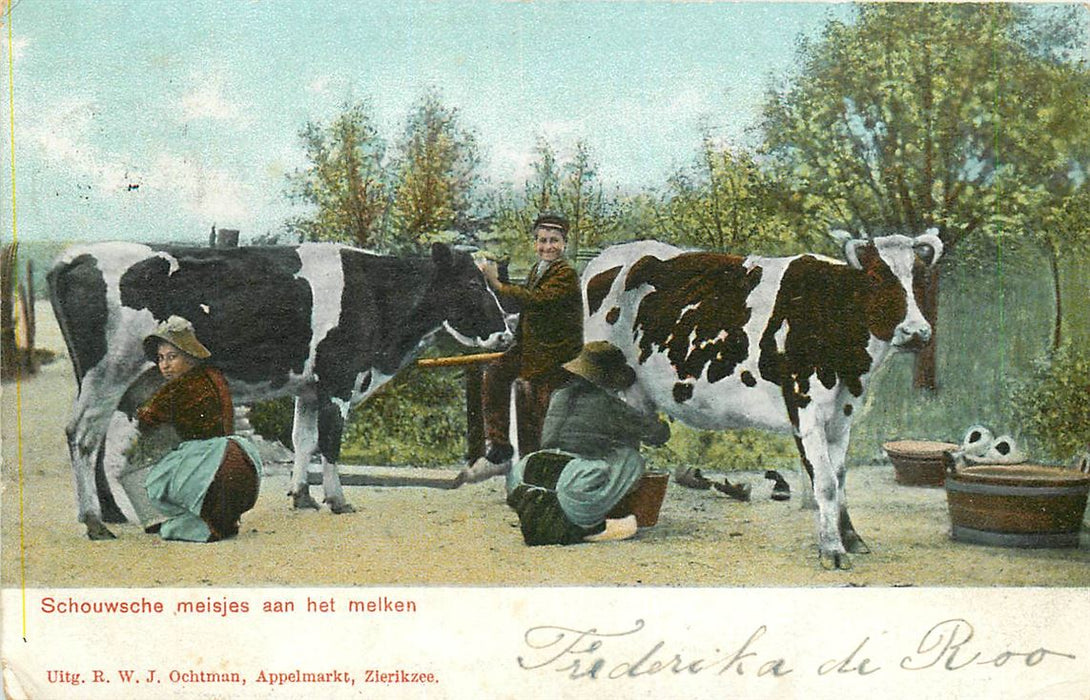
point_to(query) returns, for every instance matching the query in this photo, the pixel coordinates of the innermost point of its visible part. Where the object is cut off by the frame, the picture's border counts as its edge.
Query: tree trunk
(924, 374)
(1054, 268)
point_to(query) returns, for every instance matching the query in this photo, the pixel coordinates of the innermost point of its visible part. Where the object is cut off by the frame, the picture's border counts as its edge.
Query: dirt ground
(467, 536)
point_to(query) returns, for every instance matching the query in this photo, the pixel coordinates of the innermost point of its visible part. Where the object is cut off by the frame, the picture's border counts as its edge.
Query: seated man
(549, 333)
(590, 455)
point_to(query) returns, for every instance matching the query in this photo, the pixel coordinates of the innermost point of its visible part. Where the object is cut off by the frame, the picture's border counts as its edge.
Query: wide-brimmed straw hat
(602, 363)
(178, 332)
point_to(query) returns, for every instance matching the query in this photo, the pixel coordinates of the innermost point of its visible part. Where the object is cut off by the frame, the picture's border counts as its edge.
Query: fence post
(26, 319)
(8, 351)
(474, 413)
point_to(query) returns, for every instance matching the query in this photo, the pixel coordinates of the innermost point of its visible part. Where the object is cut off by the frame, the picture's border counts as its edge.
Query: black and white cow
(325, 323)
(785, 344)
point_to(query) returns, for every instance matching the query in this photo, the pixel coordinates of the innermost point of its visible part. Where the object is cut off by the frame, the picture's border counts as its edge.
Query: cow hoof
(303, 500)
(97, 531)
(832, 561)
(341, 508)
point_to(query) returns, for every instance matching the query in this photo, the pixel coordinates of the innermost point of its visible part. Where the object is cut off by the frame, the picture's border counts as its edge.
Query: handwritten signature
(594, 654)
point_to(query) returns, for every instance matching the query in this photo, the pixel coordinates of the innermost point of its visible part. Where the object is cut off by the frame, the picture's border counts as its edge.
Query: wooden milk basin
(1017, 505)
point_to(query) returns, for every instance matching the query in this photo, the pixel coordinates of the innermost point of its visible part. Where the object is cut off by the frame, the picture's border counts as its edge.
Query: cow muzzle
(499, 341)
(912, 336)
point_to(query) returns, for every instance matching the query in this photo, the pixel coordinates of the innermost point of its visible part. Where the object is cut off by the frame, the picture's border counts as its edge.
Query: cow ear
(441, 256)
(849, 244)
(928, 246)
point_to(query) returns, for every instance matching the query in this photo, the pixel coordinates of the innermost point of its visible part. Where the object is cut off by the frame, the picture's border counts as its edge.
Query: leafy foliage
(1053, 405)
(965, 117)
(272, 419)
(566, 184)
(345, 179)
(418, 419)
(437, 173)
(901, 122)
(723, 451)
(724, 201)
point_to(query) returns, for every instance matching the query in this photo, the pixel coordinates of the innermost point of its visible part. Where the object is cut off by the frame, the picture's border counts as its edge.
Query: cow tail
(55, 280)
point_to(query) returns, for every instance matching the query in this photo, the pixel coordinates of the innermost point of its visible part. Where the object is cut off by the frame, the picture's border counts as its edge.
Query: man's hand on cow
(490, 271)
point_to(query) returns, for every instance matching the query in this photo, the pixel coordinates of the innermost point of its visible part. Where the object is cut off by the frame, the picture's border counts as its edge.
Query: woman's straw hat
(178, 332)
(603, 363)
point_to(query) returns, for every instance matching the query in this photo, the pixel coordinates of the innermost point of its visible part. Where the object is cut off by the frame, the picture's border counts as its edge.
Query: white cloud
(320, 85)
(210, 194)
(18, 47)
(512, 163)
(206, 100)
(62, 135)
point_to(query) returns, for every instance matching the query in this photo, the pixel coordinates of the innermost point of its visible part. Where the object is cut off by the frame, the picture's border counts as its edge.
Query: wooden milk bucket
(1017, 505)
(644, 500)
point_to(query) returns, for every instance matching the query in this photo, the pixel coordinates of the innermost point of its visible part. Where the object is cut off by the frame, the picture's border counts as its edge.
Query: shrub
(418, 419)
(272, 419)
(729, 450)
(1053, 406)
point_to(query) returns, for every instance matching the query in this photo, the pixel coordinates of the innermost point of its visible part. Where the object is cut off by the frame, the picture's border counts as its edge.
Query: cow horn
(928, 246)
(850, 244)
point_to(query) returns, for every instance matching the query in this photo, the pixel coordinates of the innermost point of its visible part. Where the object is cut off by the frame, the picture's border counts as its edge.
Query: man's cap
(551, 219)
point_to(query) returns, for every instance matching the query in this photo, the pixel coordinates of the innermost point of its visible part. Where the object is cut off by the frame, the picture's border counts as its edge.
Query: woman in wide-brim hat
(210, 478)
(590, 456)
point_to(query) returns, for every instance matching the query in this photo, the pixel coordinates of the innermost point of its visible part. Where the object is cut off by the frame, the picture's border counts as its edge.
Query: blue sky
(200, 102)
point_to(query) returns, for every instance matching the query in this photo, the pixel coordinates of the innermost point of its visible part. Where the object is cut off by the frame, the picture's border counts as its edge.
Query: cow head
(471, 312)
(895, 267)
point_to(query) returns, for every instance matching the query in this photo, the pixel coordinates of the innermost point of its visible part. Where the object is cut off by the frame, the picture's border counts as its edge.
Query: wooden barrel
(644, 500)
(1017, 505)
(918, 462)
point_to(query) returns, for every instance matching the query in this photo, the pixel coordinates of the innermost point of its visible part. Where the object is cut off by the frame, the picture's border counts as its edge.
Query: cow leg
(113, 461)
(112, 512)
(87, 504)
(330, 428)
(806, 482)
(838, 433)
(304, 438)
(815, 450)
(100, 393)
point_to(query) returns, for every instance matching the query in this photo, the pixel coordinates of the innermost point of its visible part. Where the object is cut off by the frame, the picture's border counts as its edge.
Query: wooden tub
(918, 462)
(1017, 505)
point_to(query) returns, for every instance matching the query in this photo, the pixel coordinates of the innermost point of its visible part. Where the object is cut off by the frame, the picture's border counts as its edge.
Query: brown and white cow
(325, 323)
(784, 344)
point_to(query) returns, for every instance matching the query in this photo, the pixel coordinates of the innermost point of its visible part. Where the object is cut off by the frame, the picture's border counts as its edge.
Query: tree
(1063, 229)
(543, 189)
(437, 173)
(345, 179)
(921, 115)
(583, 200)
(569, 186)
(723, 201)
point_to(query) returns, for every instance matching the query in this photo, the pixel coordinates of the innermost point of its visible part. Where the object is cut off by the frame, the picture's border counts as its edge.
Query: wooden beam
(357, 475)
